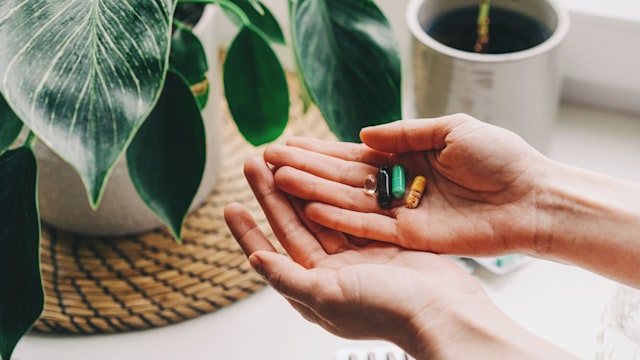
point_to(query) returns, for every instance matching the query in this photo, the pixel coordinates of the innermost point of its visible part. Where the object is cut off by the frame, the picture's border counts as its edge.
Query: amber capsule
(415, 192)
(384, 188)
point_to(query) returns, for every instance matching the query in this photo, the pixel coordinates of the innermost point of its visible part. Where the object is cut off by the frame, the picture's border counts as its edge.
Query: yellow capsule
(415, 192)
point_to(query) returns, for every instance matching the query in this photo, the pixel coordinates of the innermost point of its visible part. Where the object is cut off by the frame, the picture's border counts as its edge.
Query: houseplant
(62, 199)
(514, 83)
(98, 80)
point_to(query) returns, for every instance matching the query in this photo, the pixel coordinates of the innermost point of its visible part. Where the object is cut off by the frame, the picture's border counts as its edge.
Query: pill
(370, 184)
(415, 192)
(384, 188)
(398, 183)
(506, 260)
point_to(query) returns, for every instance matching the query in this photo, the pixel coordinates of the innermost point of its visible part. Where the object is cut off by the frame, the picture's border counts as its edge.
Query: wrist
(590, 220)
(475, 328)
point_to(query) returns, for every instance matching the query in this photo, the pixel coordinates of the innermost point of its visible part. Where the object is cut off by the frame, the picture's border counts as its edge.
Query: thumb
(412, 135)
(287, 277)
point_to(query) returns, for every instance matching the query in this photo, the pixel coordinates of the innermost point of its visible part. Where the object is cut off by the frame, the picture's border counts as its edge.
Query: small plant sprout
(483, 26)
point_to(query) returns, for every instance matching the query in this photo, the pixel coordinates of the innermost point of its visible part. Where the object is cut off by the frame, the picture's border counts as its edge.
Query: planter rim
(559, 33)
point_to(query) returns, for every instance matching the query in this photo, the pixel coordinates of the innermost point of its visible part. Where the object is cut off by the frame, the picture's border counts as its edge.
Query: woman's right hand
(480, 199)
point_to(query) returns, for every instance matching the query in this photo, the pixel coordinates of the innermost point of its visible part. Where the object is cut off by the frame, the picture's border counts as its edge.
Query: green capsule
(398, 182)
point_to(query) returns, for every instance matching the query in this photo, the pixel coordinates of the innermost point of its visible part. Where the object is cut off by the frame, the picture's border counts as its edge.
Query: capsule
(398, 183)
(415, 192)
(506, 260)
(384, 188)
(370, 185)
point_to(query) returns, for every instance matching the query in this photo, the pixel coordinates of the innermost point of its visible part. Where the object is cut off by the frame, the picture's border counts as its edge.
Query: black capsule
(384, 188)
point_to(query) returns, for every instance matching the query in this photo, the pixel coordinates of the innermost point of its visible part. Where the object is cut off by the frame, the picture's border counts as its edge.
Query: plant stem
(31, 140)
(483, 26)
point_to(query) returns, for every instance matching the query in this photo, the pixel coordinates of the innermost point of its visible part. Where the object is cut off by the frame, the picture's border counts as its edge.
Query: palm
(471, 198)
(351, 290)
(363, 289)
(480, 190)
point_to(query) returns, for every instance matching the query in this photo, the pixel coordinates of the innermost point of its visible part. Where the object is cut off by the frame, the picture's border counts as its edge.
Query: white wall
(603, 58)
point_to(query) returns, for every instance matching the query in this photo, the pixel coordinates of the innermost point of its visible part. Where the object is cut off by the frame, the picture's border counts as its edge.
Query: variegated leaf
(84, 74)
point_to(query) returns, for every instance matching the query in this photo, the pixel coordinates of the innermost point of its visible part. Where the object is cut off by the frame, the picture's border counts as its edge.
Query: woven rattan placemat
(102, 285)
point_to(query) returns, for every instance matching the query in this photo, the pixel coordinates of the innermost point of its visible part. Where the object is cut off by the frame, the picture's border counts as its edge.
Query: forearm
(477, 330)
(590, 220)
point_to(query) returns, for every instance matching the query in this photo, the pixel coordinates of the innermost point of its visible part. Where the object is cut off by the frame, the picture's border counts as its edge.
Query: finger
(332, 241)
(412, 135)
(306, 312)
(287, 277)
(301, 245)
(364, 225)
(245, 230)
(342, 150)
(311, 315)
(349, 172)
(310, 187)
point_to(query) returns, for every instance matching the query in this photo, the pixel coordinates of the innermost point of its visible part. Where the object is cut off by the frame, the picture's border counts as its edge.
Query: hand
(353, 291)
(480, 198)
(418, 300)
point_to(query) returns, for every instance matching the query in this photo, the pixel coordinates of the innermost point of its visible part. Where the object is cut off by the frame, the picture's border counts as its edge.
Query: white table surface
(560, 303)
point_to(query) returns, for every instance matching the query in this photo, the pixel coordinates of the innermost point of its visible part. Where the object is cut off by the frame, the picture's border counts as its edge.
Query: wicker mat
(102, 285)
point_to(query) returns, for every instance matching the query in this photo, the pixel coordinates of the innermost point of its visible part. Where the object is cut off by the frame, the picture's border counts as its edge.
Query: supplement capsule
(506, 260)
(384, 188)
(415, 192)
(398, 182)
(370, 184)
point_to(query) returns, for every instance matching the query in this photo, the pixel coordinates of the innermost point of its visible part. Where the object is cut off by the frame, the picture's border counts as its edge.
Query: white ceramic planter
(519, 90)
(62, 197)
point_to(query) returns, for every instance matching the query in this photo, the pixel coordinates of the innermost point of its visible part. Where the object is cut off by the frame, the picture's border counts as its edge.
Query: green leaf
(256, 88)
(189, 59)
(249, 12)
(10, 125)
(349, 59)
(166, 158)
(189, 13)
(304, 91)
(187, 56)
(256, 4)
(84, 74)
(21, 292)
(259, 16)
